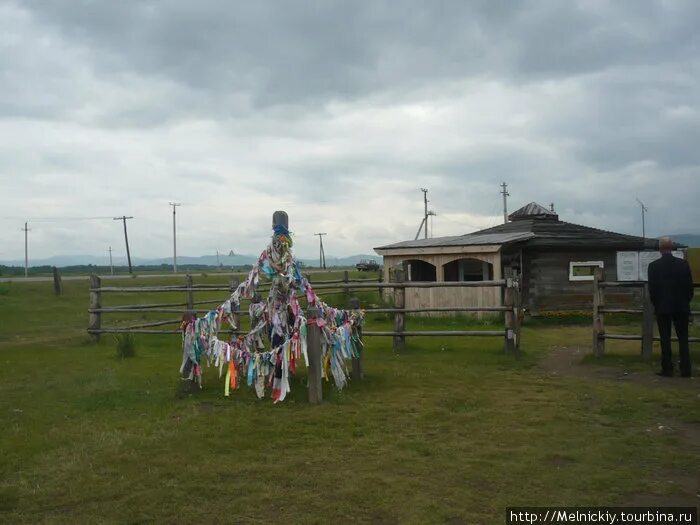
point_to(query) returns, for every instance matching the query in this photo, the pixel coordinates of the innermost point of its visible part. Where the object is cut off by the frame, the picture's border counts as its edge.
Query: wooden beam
(437, 250)
(508, 303)
(399, 304)
(190, 293)
(647, 325)
(438, 309)
(95, 322)
(57, 283)
(598, 319)
(439, 333)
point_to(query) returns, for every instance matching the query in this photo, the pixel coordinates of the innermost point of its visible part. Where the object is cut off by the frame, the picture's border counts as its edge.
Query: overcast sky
(338, 113)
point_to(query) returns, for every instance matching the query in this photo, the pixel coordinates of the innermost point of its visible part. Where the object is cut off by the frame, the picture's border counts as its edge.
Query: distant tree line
(86, 269)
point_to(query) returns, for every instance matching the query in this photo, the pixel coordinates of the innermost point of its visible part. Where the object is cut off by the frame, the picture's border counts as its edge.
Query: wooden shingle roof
(534, 225)
(532, 211)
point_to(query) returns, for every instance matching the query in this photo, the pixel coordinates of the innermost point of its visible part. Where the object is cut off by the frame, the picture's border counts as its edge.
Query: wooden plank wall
(449, 297)
(547, 287)
(452, 297)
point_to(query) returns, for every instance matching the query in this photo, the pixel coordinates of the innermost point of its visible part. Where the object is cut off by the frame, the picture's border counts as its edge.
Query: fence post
(399, 303)
(95, 304)
(358, 371)
(509, 302)
(190, 292)
(517, 308)
(346, 281)
(598, 318)
(313, 342)
(57, 283)
(232, 286)
(380, 280)
(647, 324)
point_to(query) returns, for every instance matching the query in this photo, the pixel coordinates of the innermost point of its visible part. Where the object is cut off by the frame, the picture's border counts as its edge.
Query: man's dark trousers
(680, 322)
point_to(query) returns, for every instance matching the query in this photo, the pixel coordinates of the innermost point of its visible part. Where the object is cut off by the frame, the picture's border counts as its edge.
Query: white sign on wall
(645, 259)
(634, 266)
(627, 266)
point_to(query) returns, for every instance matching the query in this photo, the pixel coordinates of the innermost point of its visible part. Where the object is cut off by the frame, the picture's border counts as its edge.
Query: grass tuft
(126, 345)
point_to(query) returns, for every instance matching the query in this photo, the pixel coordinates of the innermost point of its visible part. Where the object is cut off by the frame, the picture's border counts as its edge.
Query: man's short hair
(665, 245)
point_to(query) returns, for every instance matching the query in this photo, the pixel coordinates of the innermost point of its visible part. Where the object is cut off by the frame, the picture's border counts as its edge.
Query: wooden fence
(511, 307)
(97, 310)
(646, 310)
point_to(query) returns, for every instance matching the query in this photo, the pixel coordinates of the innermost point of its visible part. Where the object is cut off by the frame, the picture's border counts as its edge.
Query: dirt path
(566, 361)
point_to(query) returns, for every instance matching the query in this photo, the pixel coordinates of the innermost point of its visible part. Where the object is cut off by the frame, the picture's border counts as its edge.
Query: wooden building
(555, 258)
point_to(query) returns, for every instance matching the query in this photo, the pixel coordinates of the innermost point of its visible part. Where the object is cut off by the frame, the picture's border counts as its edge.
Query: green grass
(451, 429)
(126, 345)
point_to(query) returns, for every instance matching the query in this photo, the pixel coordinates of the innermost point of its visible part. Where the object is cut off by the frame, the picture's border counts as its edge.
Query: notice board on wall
(634, 266)
(627, 266)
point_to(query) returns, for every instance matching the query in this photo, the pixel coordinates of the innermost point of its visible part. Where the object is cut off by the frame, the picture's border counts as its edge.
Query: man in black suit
(671, 289)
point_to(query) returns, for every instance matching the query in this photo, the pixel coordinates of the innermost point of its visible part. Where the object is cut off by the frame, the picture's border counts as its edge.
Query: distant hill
(351, 260)
(62, 261)
(692, 240)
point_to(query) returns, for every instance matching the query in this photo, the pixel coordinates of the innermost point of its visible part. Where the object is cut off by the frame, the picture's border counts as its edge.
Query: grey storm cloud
(333, 107)
(276, 53)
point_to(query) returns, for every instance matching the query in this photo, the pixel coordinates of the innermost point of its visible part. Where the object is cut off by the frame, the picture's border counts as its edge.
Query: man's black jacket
(670, 285)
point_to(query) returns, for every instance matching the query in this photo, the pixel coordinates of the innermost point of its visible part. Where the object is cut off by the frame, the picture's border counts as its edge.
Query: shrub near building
(694, 261)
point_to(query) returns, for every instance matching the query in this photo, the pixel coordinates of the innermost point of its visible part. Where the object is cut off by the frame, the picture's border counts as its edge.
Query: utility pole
(431, 214)
(644, 209)
(322, 254)
(425, 213)
(111, 266)
(123, 218)
(174, 205)
(505, 193)
(26, 249)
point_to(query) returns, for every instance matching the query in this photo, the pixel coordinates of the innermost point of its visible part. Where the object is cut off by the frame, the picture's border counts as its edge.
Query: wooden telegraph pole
(321, 254)
(26, 249)
(123, 218)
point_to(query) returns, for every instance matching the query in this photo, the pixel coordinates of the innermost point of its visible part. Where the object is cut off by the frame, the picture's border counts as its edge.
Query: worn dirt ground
(568, 361)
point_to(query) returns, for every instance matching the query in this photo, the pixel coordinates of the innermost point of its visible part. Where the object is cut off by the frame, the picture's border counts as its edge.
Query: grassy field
(450, 431)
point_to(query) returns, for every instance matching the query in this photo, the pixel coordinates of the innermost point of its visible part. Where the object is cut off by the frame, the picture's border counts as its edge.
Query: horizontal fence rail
(316, 286)
(438, 309)
(628, 337)
(510, 308)
(440, 333)
(647, 336)
(633, 311)
(132, 310)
